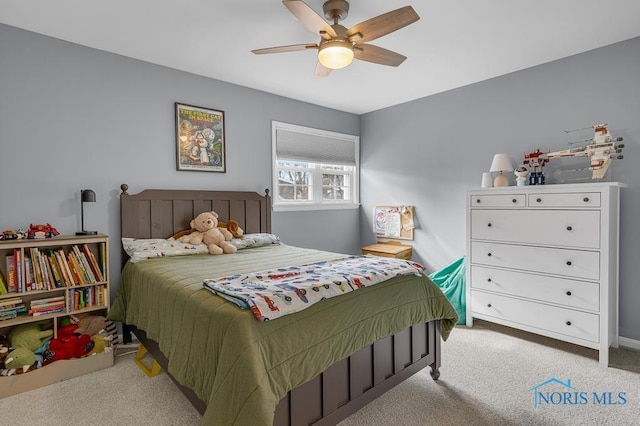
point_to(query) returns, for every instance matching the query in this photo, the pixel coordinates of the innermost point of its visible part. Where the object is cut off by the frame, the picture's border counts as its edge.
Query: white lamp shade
(335, 54)
(501, 163)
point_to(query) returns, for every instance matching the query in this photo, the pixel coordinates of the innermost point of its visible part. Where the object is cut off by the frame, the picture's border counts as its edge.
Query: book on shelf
(52, 310)
(10, 308)
(17, 254)
(11, 301)
(64, 268)
(93, 263)
(3, 285)
(84, 266)
(12, 274)
(47, 305)
(47, 301)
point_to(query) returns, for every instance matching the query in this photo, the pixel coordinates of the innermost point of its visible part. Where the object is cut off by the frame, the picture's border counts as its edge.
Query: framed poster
(393, 222)
(200, 139)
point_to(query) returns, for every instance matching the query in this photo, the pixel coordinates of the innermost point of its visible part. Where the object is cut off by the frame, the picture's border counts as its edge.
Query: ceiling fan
(338, 45)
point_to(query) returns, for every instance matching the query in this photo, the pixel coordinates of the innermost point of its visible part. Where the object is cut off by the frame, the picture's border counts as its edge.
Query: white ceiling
(455, 42)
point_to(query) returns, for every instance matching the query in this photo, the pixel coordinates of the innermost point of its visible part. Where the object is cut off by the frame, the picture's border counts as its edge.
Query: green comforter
(242, 367)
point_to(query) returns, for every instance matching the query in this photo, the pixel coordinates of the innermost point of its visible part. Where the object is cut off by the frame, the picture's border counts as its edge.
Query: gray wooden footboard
(348, 385)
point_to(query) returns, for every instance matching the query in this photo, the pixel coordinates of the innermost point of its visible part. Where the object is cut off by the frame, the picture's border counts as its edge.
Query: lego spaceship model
(601, 150)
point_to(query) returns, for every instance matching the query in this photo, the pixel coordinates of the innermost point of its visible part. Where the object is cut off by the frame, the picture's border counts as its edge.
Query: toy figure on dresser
(601, 150)
(536, 160)
(521, 173)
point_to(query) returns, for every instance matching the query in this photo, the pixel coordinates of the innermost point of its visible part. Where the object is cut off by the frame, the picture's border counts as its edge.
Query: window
(313, 169)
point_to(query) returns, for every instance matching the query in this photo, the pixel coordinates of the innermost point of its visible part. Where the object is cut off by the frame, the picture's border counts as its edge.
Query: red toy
(42, 231)
(68, 345)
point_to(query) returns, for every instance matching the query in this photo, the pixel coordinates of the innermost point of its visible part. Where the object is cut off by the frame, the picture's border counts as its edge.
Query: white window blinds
(315, 148)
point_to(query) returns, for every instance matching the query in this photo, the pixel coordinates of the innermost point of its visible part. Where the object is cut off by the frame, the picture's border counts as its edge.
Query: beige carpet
(487, 377)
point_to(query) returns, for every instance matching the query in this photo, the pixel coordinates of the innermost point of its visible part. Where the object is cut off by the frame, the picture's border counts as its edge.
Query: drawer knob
(568, 293)
(569, 228)
(568, 322)
(488, 305)
(478, 200)
(489, 224)
(514, 200)
(539, 200)
(489, 254)
(569, 263)
(488, 280)
(585, 199)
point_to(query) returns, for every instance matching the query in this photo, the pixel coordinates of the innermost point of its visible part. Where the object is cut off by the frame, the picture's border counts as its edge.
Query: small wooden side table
(389, 249)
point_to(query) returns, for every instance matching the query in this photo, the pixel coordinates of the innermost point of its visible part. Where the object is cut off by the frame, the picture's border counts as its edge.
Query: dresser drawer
(572, 263)
(562, 291)
(559, 320)
(547, 227)
(499, 200)
(570, 199)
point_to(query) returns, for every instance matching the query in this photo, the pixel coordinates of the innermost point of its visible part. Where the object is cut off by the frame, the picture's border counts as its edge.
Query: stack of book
(48, 269)
(50, 305)
(11, 307)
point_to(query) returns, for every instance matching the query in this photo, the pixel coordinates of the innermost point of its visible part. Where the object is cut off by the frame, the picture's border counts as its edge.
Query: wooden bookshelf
(54, 278)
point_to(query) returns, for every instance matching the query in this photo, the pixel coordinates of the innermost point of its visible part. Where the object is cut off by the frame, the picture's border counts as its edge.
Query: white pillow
(255, 240)
(139, 249)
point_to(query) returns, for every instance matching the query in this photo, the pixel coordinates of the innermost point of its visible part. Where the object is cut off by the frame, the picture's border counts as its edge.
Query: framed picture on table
(200, 139)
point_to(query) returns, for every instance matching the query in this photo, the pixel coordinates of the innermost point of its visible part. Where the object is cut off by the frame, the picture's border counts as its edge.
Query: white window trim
(279, 205)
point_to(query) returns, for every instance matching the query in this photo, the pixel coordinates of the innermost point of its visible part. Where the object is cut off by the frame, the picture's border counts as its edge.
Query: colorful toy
(42, 231)
(68, 347)
(601, 151)
(207, 232)
(100, 344)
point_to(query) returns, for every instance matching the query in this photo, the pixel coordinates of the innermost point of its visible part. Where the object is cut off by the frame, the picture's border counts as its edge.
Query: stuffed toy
(96, 325)
(4, 350)
(89, 324)
(67, 347)
(20, 358)
(233, 227)
(207, 232)
(100, 344)
(29, 336)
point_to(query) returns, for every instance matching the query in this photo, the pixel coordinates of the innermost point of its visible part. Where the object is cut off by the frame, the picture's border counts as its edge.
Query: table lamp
(501, 163)
(86, 196)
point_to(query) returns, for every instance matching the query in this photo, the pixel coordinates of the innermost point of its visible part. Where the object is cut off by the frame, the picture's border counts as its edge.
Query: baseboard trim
(629, 343)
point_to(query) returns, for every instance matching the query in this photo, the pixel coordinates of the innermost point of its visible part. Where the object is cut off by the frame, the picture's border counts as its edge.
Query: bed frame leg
(435, 373)
(126, 333)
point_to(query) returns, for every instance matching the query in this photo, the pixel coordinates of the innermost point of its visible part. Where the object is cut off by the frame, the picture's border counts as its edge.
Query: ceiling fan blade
(382, 24)
(321, 70)
(377, 55)
(281, 49)
(310, 19)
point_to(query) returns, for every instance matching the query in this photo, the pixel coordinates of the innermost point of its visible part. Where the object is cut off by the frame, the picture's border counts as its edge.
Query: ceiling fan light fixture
(335, 54)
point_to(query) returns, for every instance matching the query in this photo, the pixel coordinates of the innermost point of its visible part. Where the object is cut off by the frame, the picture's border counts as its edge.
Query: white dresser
(545, 259)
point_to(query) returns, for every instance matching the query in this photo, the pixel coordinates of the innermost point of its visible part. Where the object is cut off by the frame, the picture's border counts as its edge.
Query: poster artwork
(200, 139)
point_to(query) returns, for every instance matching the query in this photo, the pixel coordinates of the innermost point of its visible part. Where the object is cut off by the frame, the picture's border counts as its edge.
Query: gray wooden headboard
(161, 213)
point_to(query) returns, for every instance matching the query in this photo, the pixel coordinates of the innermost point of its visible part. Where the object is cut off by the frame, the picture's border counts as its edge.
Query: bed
(316, 366)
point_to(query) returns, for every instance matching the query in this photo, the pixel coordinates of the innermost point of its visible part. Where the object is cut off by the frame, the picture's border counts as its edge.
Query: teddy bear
(207, 232)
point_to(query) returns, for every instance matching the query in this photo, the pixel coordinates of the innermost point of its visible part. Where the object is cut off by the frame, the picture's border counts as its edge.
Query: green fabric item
(451, 280)
(242, 367)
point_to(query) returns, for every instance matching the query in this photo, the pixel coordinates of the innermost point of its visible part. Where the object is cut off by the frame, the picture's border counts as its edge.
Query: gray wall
(429, 151)
(72, 117)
